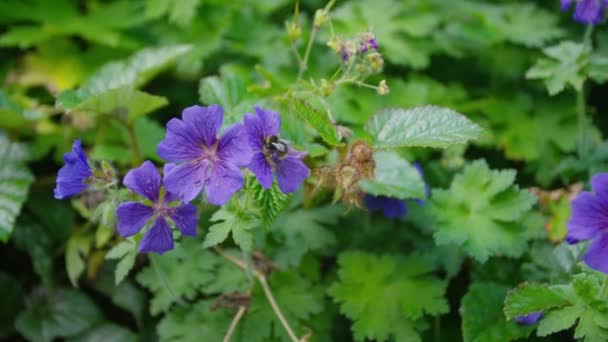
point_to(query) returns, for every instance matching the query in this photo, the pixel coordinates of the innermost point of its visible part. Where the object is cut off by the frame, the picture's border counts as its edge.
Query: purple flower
(589, 221)
(72, 177)
(368, 42)
(204, 161)
(132, 216)
(586, 11)
(272, 155)
(391, 207)
(529, 319)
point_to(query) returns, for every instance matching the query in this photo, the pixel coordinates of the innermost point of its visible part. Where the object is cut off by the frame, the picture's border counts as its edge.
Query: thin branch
(234, 323)
(276, 308)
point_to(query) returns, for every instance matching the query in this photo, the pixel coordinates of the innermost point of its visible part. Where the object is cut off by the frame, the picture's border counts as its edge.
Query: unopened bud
(327, 88)
(376, 62)
(335, 44)
(294, 31)
(321, 17)
(383, 88)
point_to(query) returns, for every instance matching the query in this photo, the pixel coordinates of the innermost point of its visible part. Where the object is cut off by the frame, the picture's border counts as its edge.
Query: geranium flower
(132, 216)
(73, 177)
(529, 319)
(204, 161)
(271, 155)
(586, 11)
(589, 221)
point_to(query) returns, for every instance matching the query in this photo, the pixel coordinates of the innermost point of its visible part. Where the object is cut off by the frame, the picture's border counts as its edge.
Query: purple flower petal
(588, 12)
(233, 146)
(255, 132)
(186, 180)
(186, 139)
(144, 180)
(132, 216)
(529, 319)
(220, 188)
(262, 170)
(158, 239)
(291, 172)
(391, 207)
(589, 217)
(72, 176)
(185, 218)
(597, 253)
(565, 4)
(271, 121)
(599, 184)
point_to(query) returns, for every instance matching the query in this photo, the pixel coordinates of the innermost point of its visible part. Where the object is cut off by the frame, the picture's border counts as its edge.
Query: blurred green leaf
(76, 253)
(394, 177)
(12, 302)
(426, 126)
(125, 252)
(60, 313)
(228, 219)
(33, 238)
(106, 332)
(318, 120)
(566, 65)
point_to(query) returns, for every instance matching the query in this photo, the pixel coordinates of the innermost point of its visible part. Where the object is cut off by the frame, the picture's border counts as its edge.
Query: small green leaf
(482, 319)
(426, 126)
(230, 218)
(319, 121)
(394, 177)
(270, 201)
(76, 253)
(558, 320)
(106, 332)
(126, 251)
(60, 313)
(566, 65)
(15, 180)
(532, 298)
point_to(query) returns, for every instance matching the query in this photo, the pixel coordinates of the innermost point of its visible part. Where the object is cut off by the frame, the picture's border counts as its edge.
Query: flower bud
(335, 44)
(368, 42)
(294, 31)
(321, 17)
(376, 62)
(383, 88)
(327, 88)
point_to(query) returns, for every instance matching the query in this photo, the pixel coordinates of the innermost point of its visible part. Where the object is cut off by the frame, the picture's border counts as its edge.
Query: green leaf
(123, 102)
(482, 319)
(232, 219)
(184, 270)
(385, 295)
(125, 252)
(15, 180)
(485, 213)
(319, 121)
(106, 332)
(426, 126)
(12, 302)
(149, 134)
(530, 298)
(566, 65)
(179, 12)
(61, 313)
(33, 238)
(188, 323)
(394, 177)
(558, 320)
(76, 253)
(270, 201)
(229, 90)
(301, 231)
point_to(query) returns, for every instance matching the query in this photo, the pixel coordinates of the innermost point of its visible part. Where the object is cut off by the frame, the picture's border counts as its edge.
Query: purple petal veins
(202, 160)
(589, 221)
(72, 177)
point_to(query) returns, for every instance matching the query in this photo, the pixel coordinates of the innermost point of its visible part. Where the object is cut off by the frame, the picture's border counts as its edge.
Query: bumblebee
(277, 146)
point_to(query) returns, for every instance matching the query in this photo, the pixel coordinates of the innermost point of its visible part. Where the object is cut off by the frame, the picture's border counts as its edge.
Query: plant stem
(304, 62)
(276, 308)
(234, 323)
(267, 291)
(137, 158)
(580, 102)
(163, 280)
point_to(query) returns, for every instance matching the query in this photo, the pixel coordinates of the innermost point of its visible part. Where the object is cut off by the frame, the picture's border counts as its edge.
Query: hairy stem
(234, 323)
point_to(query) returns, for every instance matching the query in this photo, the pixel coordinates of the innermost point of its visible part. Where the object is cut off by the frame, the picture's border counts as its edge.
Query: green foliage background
(114, 72)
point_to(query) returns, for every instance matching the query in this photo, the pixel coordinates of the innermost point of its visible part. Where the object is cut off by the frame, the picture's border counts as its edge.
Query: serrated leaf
(385, 295)
(394, 177)
(532, 298)
(270, 201)
(189, 323)
(485, 213)
(482, 319)
(76, 253)
(184, 270)
(125, 252)
(15, 180)
(231, 219)
(425, 126)
(319, 121)
(558, 320)
(566, 65)
(61, 313)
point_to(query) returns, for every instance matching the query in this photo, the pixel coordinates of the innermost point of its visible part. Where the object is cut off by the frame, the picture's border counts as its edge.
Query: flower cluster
(589, 221)
(353, 47)
(586, 11)
(198, 161)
